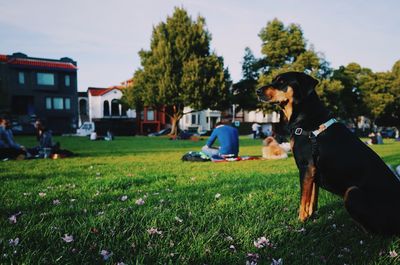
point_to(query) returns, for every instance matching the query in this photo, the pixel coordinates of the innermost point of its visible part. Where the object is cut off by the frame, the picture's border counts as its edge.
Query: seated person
(109, 136)
(44, 136)
(228, 138)
(8, 147)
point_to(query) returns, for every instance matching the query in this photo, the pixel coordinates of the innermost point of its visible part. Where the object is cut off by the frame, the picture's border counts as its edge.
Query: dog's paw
(304, 214)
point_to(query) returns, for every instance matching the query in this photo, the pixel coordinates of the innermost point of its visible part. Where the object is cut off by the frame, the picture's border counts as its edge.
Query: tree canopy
(179, 70)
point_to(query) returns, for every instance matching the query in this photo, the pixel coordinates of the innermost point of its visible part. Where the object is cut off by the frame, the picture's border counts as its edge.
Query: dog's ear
(303, 85)
(307, 84)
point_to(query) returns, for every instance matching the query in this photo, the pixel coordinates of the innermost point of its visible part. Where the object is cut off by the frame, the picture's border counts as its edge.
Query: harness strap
(313, 136)
(323, 127)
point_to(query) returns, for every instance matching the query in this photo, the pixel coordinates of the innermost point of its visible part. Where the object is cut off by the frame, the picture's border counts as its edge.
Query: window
(114, 107)
(48, 103)
(58, 103)
(106, 108)
(21, 78)
(45, 79)
(193, 118)
(67, 80)
(82, 107)
(150, 115)
(67, 102)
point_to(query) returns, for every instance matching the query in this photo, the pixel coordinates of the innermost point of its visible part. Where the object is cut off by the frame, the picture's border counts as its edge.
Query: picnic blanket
(218, 159)
(194, 156)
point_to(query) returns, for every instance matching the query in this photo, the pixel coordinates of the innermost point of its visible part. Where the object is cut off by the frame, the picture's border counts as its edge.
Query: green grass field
(136, 201)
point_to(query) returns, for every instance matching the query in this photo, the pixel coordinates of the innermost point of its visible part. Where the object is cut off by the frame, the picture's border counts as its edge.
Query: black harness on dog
(313, 137)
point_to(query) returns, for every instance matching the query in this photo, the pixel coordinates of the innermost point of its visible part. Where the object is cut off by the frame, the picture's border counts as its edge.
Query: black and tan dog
(329, 156)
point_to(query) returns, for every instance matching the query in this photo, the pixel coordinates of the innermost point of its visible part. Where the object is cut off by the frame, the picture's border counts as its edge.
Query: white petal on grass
(217, 196)
(154, 231)
(13, 218)
(56, 202)
(262, 242)
(229, 238)
(179, 220)
(124, 198)
(393, 254)
(67, 238)
(106, 254)
(13, 242)
(42, 194)
(277, 262)
(139, 201)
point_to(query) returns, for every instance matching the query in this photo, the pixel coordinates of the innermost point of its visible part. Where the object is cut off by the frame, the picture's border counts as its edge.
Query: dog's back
(272, 150)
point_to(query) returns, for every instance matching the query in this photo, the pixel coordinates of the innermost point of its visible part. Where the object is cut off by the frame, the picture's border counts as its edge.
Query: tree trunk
(176, 116)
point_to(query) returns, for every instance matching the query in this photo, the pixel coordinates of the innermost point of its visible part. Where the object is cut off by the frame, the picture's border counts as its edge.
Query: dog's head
(287, 89)
(270, 140)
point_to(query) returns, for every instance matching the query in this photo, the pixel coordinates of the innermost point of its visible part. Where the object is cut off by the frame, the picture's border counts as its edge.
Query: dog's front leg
(309, 192)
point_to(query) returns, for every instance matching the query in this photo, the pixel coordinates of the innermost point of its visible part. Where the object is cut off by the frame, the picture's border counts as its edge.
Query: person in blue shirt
(8, 147)
(228, 138)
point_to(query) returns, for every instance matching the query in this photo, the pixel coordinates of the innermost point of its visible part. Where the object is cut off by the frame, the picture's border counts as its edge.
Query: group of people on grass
(45, 148)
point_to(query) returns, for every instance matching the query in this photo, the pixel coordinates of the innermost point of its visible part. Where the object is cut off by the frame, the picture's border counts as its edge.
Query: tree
(281, 45)
(285, 49)
(375, 90)
(391, 114)
(243, 92)
(250, 65)
(132, 96)
(382, 92)
(351, 102)
(179, 70)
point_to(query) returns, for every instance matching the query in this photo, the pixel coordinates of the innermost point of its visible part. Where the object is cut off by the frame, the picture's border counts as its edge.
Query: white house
(103, 103)
(260, 117)
(203, 120)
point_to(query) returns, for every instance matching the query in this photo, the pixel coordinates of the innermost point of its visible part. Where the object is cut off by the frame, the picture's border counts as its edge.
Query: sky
(104, 36)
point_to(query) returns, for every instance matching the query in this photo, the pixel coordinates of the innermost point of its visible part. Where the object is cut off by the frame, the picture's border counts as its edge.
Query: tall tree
(285, 49)
(351, 102)
(376, 94)
(179, 70)
(391, 113)
(243, 92)
(281, 45)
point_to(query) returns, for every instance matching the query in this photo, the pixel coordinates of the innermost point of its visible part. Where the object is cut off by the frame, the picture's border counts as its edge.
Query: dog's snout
(260, 91)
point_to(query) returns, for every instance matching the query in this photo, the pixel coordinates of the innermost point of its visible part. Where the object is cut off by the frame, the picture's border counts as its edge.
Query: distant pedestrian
(255, 129)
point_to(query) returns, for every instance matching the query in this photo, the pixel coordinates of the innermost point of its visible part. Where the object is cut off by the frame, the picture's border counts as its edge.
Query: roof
(37, 62)
(97, 91)
(3, 58)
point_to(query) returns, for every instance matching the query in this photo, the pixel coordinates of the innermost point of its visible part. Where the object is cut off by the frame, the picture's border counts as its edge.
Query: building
(33, 88)
(199, 121)
(103, 107)
(102, 103)
(153, 120)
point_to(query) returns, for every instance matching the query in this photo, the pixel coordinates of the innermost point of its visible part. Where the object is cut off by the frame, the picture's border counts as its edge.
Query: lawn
(133, 201)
